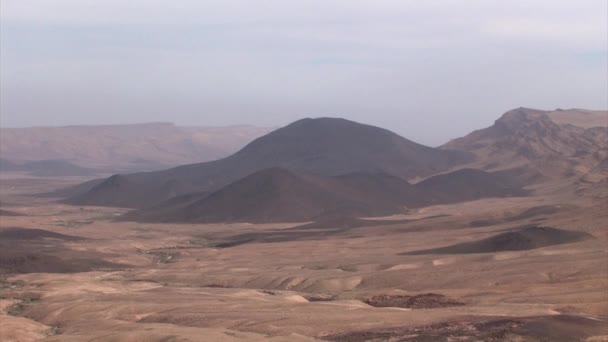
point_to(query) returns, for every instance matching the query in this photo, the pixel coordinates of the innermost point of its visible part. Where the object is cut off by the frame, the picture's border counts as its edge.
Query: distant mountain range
(119, 148)
(47, 168)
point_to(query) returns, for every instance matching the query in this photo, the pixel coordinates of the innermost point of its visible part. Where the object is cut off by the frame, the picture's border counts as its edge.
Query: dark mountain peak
(320, 147)
(324, 135)
(325, 122)
(334, 146)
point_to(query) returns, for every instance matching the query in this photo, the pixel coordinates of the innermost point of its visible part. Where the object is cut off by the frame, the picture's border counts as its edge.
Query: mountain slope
(469, 184)
(556, 144)
(280, 195)
(324, 146)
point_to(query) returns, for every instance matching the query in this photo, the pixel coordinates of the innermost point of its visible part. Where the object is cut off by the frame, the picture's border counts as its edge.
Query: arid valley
(318, 170)
(498, 236)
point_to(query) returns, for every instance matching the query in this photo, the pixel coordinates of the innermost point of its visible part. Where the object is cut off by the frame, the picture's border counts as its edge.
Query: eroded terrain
(73, 273)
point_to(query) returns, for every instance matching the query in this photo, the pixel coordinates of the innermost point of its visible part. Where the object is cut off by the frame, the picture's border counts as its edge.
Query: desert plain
(76, 274)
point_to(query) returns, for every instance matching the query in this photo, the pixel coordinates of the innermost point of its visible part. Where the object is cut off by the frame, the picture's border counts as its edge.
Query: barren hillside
(556, 144)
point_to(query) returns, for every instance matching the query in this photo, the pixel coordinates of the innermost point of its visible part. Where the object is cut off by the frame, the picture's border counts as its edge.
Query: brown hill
(124, 148)
(469, 184)
(556, 144)
(524, 239)
(324, 146)
(279, 195)
(24, 250)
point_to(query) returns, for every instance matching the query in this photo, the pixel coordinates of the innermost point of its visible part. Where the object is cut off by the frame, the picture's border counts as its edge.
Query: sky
(428, 70)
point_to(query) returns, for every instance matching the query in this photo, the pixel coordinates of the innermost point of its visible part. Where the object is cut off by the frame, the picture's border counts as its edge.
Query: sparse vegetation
(53, 331)
(26, 300)
(422, 301)
(162, 256)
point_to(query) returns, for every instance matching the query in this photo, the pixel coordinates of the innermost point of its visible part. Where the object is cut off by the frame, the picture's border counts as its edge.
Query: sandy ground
(173, 284)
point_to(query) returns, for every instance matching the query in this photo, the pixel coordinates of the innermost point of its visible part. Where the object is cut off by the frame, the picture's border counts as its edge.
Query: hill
(324, 146)
(280, 195)
(124, 148)
(469, 184)
(556, 144)
(524, 239)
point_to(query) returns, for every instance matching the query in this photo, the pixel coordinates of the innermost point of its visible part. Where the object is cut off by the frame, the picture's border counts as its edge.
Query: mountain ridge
(532, 138)
(124, 148)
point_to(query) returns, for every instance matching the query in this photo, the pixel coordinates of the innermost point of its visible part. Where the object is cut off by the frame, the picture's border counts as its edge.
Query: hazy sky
(429, 70)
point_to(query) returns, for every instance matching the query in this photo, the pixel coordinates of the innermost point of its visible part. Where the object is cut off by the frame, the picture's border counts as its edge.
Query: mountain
(124, 148)
(556, 144)
(280, 195)
(324, 146)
